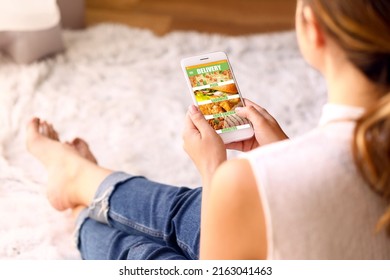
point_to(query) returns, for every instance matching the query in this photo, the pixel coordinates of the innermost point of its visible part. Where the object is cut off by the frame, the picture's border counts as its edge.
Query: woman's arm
(205, 148)
(232, 219)
(233, 223)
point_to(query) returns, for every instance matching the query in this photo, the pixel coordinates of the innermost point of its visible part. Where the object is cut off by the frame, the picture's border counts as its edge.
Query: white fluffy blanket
(123, 91)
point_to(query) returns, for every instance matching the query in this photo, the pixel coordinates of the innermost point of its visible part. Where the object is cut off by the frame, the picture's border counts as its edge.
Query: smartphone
(214, 90)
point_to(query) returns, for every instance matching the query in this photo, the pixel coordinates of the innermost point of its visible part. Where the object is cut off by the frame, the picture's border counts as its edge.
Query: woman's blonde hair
(362, 29)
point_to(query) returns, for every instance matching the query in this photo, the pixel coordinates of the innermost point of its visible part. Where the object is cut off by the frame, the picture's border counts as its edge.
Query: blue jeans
(134, 218)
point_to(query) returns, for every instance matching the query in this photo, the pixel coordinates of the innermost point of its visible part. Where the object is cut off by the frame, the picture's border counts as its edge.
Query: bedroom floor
(229, 17)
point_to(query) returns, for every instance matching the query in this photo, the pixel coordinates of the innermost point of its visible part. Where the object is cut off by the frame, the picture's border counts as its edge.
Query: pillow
(29, 46)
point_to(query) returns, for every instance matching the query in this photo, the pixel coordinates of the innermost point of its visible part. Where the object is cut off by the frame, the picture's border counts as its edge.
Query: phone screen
(217, 95)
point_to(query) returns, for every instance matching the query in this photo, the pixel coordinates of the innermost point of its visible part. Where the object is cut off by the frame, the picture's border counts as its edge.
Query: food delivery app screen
(217, 95)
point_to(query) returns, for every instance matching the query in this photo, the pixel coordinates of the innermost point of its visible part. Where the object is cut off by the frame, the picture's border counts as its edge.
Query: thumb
(252, 114)
(199, 120)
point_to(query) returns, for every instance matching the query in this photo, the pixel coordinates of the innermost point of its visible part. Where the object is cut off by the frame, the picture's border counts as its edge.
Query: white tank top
(317, 205)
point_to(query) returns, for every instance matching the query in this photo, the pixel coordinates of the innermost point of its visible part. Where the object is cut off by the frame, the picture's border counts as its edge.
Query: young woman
(324, 195)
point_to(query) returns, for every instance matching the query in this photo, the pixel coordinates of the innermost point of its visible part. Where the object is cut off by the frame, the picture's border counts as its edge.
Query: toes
(44, 128)
(33, 128)
(35, 139)
(80, 143)
(33, 125)
(83, 148)
(53, 133)
(38, 132)
(48, 130)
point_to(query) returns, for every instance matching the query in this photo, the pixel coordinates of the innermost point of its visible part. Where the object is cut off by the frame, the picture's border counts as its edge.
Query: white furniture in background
(31, 29)
(28, 15)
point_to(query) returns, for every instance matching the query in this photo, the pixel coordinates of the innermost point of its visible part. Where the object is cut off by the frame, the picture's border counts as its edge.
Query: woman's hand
(266, 128)
(203, 144)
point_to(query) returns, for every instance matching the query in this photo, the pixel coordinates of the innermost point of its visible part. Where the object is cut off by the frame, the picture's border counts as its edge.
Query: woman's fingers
(253, 114)
(266, 128)
(199, 121)
(260, 110)
(202, 143)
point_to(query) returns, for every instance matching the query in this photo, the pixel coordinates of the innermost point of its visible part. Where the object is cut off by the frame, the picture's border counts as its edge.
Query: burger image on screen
(215, 92)
(227, 89)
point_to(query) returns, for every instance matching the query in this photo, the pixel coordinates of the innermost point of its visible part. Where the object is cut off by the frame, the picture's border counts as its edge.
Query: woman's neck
(348, 86)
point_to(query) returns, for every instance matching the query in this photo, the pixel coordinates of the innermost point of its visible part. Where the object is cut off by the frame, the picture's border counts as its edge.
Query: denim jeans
(134, 218)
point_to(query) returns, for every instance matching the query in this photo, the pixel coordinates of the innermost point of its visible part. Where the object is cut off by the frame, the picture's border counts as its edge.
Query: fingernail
(238, 109)
(193, 109)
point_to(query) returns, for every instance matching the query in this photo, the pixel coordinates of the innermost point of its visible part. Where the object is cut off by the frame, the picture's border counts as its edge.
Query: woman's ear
(314, 32)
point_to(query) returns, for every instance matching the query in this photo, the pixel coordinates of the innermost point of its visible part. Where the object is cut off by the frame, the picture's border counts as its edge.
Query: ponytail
(372, 152)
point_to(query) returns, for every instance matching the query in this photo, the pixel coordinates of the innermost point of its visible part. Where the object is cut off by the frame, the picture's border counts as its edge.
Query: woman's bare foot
(73, 175)
(83, 149)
